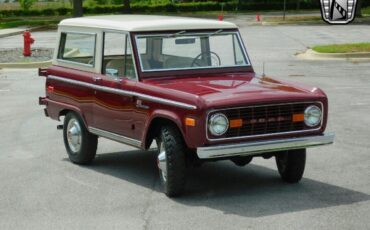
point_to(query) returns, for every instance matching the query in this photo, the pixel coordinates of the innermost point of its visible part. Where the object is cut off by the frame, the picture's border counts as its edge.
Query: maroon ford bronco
(186, 85)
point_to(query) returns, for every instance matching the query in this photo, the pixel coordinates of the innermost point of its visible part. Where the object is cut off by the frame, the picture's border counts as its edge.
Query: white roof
(146, 23)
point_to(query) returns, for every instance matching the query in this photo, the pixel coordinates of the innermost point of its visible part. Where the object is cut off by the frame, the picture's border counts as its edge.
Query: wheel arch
(157, 121)
(64, 112)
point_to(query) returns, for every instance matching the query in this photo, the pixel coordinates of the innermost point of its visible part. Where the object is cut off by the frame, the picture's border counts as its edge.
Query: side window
(77, 47)
(117, 56)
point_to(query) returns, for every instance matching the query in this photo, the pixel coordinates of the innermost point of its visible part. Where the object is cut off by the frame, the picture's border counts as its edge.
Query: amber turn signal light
(236, 123)
(189, 121)
(298, 117)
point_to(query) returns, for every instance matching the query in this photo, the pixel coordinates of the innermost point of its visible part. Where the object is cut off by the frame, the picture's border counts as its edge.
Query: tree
(358, 10)
(298, 5)
(26, 4)
(77, 8)
(126, 6)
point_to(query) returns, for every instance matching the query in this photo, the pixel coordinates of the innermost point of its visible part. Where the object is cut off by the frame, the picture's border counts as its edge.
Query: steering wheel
(215, 59)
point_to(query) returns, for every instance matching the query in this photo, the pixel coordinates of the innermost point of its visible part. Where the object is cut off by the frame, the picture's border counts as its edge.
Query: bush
(26, 4)
(143, 7)
(64, 11)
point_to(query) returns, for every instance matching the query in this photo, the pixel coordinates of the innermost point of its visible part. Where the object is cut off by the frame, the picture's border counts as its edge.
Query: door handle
(140, 105)
(97, 80)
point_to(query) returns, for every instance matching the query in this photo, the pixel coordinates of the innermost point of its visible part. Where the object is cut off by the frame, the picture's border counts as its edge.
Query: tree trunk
(126, 6)
(298, 6)
(77, 8)
(358, 10)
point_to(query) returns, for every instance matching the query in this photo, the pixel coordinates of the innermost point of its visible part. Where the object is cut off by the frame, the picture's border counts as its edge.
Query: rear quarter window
(77, 47)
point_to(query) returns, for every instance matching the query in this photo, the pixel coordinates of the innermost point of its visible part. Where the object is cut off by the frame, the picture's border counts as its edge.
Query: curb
(264, 23)
(29, 65)
(313, 55)
(20, 31)
(11, 33)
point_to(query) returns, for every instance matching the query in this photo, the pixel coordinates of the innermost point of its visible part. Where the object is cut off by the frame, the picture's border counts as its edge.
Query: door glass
(76, 47)
(117, 58)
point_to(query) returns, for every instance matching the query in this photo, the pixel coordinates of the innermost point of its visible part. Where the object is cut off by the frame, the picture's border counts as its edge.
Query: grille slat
(269, 119)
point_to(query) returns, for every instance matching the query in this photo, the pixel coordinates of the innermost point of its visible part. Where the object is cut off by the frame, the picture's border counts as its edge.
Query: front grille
(266, 119)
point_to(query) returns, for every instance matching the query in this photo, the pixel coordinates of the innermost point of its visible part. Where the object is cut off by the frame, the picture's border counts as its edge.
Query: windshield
(183, 51)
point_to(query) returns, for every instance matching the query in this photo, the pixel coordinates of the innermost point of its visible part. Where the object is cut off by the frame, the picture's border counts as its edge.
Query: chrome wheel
(74, 135)
(162, 161)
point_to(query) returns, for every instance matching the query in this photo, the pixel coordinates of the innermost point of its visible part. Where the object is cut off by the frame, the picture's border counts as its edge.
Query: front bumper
(258, 147)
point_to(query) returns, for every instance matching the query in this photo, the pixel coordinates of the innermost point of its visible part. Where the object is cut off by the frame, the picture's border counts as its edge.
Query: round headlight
(218, 124)
(312, 116)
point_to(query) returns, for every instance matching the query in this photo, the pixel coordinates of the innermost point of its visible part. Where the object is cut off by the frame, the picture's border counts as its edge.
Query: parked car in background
(187, 85)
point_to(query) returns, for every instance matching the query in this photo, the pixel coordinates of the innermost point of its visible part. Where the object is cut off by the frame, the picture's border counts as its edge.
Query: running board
(115, 137)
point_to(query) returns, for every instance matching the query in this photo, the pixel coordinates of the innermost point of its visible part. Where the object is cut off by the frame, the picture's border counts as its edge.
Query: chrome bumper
(258, 147)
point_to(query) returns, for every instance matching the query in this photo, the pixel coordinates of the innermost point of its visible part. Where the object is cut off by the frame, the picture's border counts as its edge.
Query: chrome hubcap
(162, 161)
(74, 135)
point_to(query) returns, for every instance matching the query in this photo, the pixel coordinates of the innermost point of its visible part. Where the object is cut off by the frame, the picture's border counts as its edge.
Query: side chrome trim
(124, 93)
(258, 147)
(115, 137)
(266, 134)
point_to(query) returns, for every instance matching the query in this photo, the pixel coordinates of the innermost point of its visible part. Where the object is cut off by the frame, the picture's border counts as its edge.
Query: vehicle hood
(238, 89)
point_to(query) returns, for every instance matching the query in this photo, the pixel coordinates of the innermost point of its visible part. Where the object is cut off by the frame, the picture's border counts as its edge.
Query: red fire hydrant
(221, 17)
(258, 17)
(28, 40)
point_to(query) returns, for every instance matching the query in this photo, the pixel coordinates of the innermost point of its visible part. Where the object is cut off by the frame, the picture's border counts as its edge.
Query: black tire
(241, 161)
(172, 168)
(291, 165)
(81, 148)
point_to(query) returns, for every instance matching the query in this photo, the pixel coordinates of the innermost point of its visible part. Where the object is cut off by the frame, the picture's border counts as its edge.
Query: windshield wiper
(217, 32)
(211, 34)
(176, 34)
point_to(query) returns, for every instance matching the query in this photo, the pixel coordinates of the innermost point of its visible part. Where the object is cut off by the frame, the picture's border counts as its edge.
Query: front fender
(164, 114)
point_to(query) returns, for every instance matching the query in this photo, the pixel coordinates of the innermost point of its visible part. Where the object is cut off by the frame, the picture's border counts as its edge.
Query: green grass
(28, 22)
(366, 11)
(343, 48)
(293, 18)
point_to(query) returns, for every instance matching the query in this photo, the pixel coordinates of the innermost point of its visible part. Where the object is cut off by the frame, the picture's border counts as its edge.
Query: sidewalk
(12, 31)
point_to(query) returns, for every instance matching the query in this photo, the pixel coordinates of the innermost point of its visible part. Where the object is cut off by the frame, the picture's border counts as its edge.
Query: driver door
(113, 112)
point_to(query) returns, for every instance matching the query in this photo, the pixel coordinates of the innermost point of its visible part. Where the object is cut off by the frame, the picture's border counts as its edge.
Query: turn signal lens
(236, 123)
(298, 117)
(189, 121)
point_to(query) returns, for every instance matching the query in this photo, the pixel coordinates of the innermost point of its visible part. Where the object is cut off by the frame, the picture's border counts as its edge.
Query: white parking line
(4, 90)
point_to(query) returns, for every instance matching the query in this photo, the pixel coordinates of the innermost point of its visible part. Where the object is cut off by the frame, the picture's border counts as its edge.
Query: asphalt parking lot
(41, 189)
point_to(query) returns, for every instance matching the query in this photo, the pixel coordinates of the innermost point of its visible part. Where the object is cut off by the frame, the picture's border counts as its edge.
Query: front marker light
(218, 124)
(312, 116)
